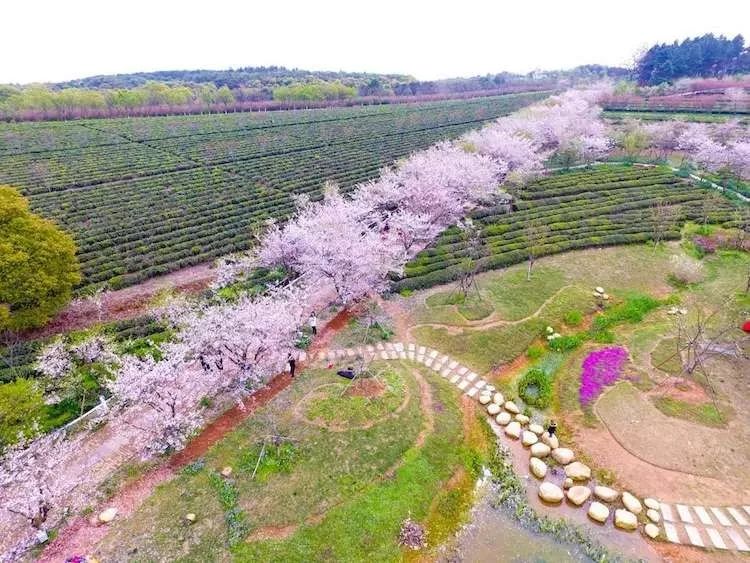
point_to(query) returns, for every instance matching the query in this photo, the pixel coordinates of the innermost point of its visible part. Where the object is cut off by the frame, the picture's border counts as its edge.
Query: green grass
(515, 297)
(338, 406)
(666, 358)
(334, 488)
(706, 414)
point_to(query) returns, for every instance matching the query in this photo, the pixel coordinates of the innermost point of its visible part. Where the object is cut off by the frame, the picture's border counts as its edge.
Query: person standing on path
(292, 364)
(552, 428)
(313, 322)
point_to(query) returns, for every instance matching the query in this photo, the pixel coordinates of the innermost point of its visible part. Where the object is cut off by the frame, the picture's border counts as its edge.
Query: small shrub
(566, 343)
(573, 318)
(412, 535)
(535, 388)
(534, 352)
(685, 271)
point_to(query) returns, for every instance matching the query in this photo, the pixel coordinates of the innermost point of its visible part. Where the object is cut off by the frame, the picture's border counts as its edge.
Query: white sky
(53, 40)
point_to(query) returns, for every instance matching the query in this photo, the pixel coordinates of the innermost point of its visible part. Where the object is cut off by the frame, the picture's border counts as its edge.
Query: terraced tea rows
(147, 196)
(604, 206)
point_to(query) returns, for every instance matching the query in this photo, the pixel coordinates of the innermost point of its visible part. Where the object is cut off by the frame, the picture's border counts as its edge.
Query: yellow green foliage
(38, 265)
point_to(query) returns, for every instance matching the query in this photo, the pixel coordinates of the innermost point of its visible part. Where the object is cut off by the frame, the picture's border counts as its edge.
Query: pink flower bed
(600, 368)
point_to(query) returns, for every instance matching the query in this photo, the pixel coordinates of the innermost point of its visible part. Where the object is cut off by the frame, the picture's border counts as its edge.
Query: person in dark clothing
(552, 428)
(292, 365)
(348, 372)
(313, 322)
(204, 364)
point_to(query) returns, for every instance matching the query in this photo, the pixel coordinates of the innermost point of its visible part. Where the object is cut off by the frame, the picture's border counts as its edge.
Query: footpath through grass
(320, 494)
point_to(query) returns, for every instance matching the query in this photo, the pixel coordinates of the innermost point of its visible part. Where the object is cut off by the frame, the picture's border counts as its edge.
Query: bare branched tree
(535, 234)
(472, 238)
(663, 217)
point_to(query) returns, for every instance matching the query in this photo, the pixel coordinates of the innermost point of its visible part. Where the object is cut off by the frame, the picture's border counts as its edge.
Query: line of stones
(541, 445)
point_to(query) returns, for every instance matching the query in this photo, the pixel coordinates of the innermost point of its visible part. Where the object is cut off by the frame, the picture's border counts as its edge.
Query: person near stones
(552, 428)
(292, 364)
(348, 372)
(313, 322)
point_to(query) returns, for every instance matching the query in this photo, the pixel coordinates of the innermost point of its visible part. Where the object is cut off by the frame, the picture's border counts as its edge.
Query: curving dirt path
(125, 303)
(490, 321)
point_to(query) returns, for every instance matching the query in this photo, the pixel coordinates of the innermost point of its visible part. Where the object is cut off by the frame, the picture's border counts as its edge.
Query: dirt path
(125, 303)
(489, 322)
(81, 535)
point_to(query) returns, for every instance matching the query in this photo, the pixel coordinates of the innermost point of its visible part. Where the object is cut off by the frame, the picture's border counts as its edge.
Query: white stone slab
(428, 362)
(402, 355)
(433, 354)
(703, 515)
(420, 358)
(445, 372)
(479, 384)
(411, 355)
(389, 346)
(412, 346)
(716, 538)
(721, 517)
(694, 536)
(399, 346)
(455, 378)
(453, 364)
(473, 391)
(463, 385)
(666, 512)
(684, 513)
(671, 532)
(737, 515)
(384, 355)
(737, 540)
(462, 370)
(380, 346)
(471, 376)
(422, 350)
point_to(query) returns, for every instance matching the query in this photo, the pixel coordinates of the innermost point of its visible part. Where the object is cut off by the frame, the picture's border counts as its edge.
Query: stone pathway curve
(719, 528)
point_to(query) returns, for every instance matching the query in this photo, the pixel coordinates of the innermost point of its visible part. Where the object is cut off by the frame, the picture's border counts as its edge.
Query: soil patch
(368, 387)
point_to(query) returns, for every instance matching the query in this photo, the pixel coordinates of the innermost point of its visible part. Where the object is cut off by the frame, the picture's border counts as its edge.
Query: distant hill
(246, 77)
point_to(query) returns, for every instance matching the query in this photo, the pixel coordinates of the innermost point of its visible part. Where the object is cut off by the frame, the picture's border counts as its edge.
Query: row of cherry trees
(348, 244)
(720, 147)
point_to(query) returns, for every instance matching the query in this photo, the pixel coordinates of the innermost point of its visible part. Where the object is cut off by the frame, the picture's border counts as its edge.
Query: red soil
(82, 535)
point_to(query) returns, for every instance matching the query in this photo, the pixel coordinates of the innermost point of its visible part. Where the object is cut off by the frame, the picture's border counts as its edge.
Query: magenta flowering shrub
(600, 368)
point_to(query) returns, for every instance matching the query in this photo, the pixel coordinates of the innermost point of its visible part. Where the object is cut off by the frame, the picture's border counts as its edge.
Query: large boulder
(484, 398)
(578, 494)
(551, 441)
(631, 503)
(563, 456)
(651, 503)
(625, 520)
(578, 471)
(536, 429)
(567, 483)
(511, 407)
(540, 450)
(522, 418)
(513, 430)
(503, 418)
(498, 398)
(538, 467)
(493, 409)
(549, 492)
(605, 493)
(106, 516)
(651, 530)
(653, 515)
(598, 512)
(528, 438)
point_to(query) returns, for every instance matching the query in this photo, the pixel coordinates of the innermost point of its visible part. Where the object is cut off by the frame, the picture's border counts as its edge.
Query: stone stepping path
(713, 528)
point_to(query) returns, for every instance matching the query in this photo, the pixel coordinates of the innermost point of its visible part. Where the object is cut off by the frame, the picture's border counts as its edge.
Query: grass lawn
(323, 495)
(706, 414)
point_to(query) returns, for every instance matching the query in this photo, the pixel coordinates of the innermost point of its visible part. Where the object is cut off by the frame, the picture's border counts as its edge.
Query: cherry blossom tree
(334, 241)
(170, 393)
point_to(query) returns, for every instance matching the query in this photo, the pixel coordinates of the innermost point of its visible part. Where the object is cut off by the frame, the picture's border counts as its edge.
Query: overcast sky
(53, 40)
